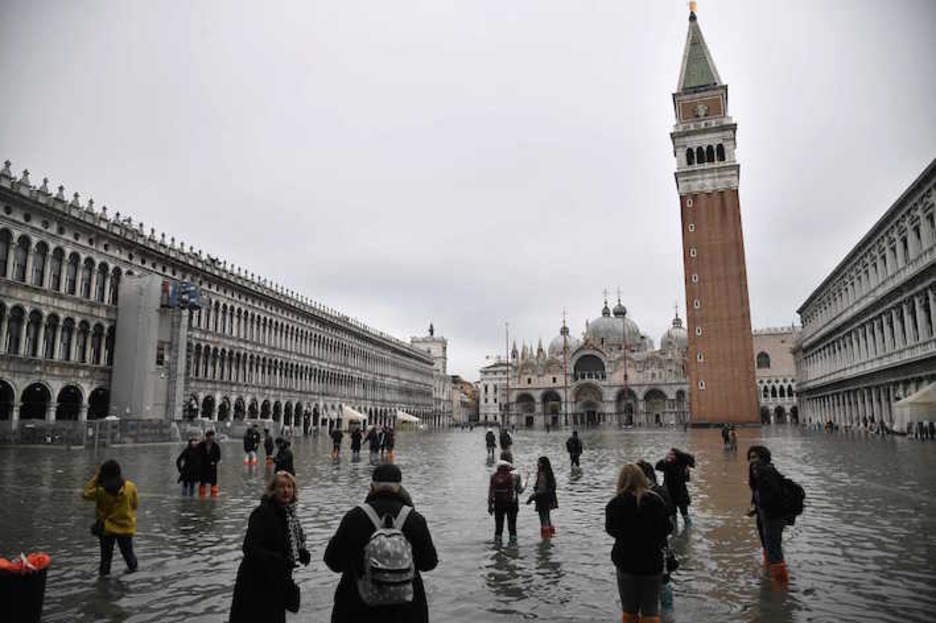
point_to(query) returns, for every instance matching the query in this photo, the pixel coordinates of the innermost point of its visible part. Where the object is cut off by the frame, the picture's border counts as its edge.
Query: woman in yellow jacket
(116, 501)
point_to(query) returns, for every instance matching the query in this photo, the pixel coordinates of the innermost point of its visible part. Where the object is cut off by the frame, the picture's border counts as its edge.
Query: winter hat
(387, 474)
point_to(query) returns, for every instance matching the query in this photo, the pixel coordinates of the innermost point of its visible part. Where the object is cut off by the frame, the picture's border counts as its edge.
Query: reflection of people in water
(503, 577)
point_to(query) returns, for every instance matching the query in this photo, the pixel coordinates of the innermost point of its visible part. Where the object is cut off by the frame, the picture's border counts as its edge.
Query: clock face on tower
(701, 110)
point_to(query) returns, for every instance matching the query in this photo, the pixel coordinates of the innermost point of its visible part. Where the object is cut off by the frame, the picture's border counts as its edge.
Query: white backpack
(388, 561)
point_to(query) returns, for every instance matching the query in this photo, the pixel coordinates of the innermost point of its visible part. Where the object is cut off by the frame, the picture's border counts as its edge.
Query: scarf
(294, 534)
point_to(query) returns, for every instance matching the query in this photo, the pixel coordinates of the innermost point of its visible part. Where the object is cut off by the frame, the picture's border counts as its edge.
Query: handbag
(672, 563)
(97, 528)
(293, 595)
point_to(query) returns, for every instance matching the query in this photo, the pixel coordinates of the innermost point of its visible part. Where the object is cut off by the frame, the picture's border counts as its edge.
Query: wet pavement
(863, 550)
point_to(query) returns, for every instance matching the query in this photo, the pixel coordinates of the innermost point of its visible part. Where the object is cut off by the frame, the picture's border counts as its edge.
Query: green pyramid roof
(698, 68)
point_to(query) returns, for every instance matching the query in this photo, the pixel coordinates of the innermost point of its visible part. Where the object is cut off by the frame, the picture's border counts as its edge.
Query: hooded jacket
(345, 554)
(639, 532)
(115, 506)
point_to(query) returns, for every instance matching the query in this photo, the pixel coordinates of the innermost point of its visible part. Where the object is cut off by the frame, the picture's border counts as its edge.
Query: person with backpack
(675, 467)
(544, 494)
(506, 439)
(274, 546)
(380, 548)
(574, 447)
(115, 503)
(504, 499)
(491, 442)
(775, 503)
(189, 465)
(251, 443)
(636, 518)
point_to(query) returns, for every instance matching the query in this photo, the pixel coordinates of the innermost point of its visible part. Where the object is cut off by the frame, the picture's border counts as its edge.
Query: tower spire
(698, 68)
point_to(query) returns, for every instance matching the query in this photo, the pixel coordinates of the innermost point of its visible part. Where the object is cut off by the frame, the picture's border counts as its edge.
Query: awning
(917, 407)
(350, 415)
(403, 416)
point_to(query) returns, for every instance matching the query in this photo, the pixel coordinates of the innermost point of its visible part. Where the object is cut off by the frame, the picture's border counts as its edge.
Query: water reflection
(862, 550)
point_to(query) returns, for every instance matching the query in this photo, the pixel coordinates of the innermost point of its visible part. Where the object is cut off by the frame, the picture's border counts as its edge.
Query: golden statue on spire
(692, 6)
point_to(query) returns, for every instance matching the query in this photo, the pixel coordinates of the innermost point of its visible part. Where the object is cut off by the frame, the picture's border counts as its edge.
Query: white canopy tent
(349, 415)
(919, 406)
(402, 417)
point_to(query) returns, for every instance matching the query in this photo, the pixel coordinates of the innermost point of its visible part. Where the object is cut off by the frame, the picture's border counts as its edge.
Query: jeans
(771, 533)
(188, 488)
(511, 513)
(575, 459)
(125, 543)
(640, 594)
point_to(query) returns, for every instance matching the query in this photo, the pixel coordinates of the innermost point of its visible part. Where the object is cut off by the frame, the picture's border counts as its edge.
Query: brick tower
(721, 366)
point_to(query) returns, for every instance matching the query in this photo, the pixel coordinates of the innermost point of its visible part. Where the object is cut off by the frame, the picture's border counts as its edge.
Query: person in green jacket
(115, 503)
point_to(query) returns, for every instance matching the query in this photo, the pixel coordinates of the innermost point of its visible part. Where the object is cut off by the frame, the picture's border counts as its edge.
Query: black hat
(387, 474)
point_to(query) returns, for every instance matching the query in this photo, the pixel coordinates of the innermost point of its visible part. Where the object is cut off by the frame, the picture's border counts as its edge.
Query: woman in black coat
(675, 467)
(273, 547)
(636, 518)
(189, 466)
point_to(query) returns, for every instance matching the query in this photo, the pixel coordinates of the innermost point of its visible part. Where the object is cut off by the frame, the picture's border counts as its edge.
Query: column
(50, 411)
(878, 336)
(895, 329)
(905, 321)
(30, 255)
(931, 294)
(83, 412)
(918, 314)
(40, 338)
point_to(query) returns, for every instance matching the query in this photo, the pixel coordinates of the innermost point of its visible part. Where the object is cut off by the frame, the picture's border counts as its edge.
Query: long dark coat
(675, 477)
(345, 553)
(189, 464)
(210, 457)
(264, 574)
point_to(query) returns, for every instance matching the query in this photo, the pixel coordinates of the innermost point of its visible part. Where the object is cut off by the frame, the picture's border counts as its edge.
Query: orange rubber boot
(630, 618)
(214, 491)
(779, 573)
(201, 491)
(552, 530)
(649, 619)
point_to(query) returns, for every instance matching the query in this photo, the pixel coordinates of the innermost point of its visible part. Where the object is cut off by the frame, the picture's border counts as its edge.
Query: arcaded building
(868, 336)
(721, 372)
(775, 371)
(101, 317)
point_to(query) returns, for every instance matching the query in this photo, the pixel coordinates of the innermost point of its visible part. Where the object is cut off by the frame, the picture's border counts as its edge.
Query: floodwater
(863, 550)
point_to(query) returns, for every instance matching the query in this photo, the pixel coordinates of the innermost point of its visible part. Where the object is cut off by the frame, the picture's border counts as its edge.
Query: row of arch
(35, 402)
(777, 390)
(48, 336)
(214, 363)
(551, 402)
(237, 322)
(57, 269)
(701, 155)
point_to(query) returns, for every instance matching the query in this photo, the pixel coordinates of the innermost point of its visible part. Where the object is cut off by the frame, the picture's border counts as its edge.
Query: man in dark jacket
(675, 467)
(491, 442)
(345, 553)
(574, 447)
(268, 445)
(210, 455)
(284, 457)
(251, 443)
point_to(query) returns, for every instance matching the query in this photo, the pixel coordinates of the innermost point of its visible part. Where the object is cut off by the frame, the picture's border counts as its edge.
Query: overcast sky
(471, 162)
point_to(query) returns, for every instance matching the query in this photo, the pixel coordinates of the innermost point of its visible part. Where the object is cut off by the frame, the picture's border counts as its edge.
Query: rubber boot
(512, 540)
(214, 491)
(498, 540)
(630, 618)
(255, 460)
(201, 491)
(649, 619)
(247, 460)
(778, 571)
(390, 457)
(552, 530)
(666, 598)
(544, 532)
(764, 551)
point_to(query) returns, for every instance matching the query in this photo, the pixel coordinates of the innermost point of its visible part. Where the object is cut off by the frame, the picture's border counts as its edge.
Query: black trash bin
(22, 592)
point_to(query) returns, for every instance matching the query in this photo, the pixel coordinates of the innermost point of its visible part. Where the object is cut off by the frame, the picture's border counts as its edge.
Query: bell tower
(721, 365)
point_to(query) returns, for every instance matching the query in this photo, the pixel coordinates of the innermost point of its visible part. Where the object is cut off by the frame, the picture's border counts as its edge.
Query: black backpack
(793, 497)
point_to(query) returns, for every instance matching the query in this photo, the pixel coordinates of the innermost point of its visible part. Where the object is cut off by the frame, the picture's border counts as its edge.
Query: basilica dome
(675, 337)
(555, 347)
(608, 331)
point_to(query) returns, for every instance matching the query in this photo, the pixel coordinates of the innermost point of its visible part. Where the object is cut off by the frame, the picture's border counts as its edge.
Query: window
(554, 379)
(39, 264)
(32, 334)
(702, 385)
(68, 329)
(55, 270)
(700, 155)
(71, 274)
(710, 154)
(5, 240)
(693, 252)
(695, 278)
(720, 152)
(690, 157)
(763, 361)
(696, 304)
(691, 227)
(698, 330)
(699, 357)
(87, 271)
(905, 249)
(688, 202)
(20, 253)
(160, 354)
(48, 340)
(14, 330)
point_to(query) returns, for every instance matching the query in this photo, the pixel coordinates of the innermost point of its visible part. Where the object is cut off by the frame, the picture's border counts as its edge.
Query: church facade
(611, 375)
